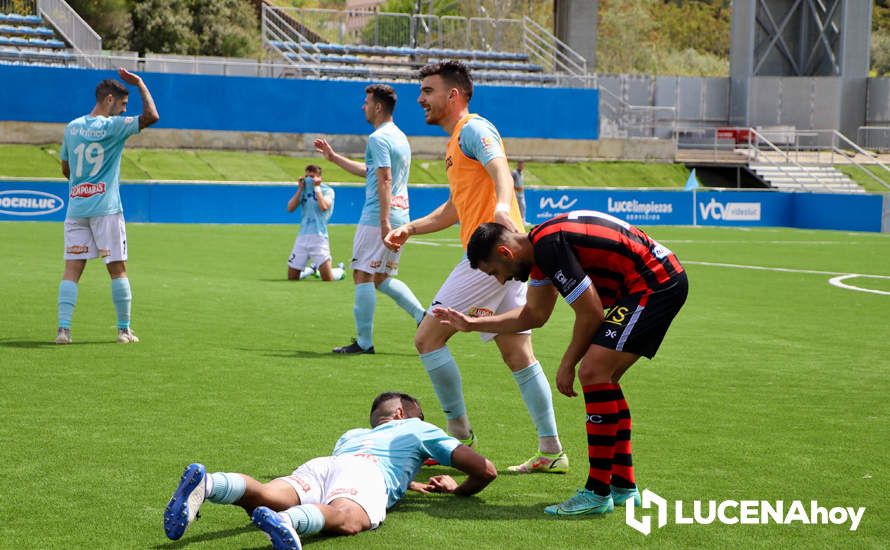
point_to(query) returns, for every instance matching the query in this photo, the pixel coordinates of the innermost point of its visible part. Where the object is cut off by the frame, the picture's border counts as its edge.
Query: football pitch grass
(771, 385)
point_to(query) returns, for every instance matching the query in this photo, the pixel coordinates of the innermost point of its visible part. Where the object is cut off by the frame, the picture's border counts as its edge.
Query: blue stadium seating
(25, 40)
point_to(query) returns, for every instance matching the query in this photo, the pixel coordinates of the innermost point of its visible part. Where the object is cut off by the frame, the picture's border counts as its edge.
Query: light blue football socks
(538, 398)
(445, 376)
(226, 488)
(363, 310)
(122, 298)
(67, 301)
(399, 291)
(306, 519)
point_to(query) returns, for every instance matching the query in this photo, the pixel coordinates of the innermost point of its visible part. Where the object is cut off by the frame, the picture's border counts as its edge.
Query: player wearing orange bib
(481, 191)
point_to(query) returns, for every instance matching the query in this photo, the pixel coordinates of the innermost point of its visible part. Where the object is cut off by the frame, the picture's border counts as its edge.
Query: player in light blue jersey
(386, 168)
(316, 201)
(342, 494)
(94, 223)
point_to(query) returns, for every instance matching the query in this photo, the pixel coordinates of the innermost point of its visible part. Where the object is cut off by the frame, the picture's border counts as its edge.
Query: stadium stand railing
(784, 158)
(364, 44)
(71, 26)
(27, 38)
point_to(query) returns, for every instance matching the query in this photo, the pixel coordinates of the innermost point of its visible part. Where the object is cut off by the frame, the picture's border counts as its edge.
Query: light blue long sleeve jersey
(400, 447)
(387, 148)
(314, 220)
(92, 146)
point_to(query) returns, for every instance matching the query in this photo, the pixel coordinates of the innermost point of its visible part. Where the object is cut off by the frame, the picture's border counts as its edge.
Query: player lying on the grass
(594, 261)
(345, 493)
(94, 222)
(316, 201)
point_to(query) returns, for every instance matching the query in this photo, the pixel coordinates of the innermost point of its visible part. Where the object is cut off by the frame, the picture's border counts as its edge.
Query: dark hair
(113, 87)
(454, 73)
(483, 242)
(384, 95)
(313, 169)
(406, 401)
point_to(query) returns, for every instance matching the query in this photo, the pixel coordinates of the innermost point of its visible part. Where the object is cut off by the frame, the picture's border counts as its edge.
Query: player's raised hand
(452, 318)
(504, 219)
(396, 238)
(323, 147)
(128, 77)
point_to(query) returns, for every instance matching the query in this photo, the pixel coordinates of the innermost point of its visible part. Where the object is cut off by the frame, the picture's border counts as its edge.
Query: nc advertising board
(265, 203)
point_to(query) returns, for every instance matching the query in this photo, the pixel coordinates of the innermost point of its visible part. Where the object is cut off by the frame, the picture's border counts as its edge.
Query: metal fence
(414, 31)
(187, 64)
(21, 7)
(72, 27)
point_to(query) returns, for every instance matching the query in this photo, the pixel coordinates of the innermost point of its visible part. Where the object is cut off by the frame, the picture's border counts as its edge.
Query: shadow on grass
(214, 535)
(311, 354)
(36, 344)
(475, 508)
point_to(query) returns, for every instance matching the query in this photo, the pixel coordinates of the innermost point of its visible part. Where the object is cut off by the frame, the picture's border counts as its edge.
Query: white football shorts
(358, 478)
(370, 255)
(478, 294)
(100, 237)
(314, 248)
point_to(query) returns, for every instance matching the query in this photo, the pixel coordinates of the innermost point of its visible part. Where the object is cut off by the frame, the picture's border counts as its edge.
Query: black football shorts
(637, 323)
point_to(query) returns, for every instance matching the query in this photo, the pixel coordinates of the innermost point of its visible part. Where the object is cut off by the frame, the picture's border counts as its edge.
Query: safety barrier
(265, 203)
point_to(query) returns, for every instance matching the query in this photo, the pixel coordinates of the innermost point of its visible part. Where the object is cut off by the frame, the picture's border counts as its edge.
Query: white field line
(718, 241)
(836, 281)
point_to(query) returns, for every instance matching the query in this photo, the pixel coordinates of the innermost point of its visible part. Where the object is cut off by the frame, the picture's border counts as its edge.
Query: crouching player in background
(312, 243)
(94, 223)
(343, 494)
(594, 261)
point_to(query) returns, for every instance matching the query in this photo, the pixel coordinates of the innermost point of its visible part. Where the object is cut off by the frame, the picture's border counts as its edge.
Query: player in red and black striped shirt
(625, 289)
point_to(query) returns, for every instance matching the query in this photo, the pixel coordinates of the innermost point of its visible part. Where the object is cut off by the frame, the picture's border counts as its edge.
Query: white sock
(549, 444)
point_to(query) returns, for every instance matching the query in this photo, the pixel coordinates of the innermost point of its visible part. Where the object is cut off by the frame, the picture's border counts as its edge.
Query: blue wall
(213, 203)
(201, 102)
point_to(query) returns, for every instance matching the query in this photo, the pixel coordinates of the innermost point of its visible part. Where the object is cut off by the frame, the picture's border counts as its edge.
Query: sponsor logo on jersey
(86, 190)
(87, 132)
(488, 141)
(400, 201)
(29, 203)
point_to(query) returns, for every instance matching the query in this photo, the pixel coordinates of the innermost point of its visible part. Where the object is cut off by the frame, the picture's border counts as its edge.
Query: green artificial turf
(770, 385)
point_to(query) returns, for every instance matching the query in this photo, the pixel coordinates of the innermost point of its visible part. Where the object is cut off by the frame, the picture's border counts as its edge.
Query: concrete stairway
(814, 178)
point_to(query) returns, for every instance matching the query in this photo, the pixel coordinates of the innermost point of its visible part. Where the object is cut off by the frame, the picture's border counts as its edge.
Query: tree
(880, 53)
(625, 40)
(163, 26)
(109, 18)
(225, 28)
